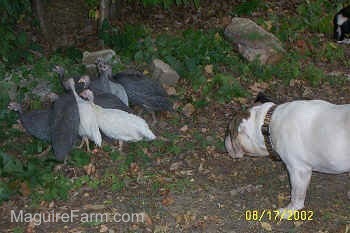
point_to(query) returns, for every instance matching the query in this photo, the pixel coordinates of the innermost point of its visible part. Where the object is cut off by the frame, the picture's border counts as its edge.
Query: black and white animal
(309, 135)
(341, 24)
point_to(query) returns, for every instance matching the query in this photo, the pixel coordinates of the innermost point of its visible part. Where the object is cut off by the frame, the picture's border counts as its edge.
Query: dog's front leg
(299, 180)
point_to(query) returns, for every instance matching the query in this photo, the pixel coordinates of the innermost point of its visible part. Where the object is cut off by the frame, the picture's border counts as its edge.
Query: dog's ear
(262, 98)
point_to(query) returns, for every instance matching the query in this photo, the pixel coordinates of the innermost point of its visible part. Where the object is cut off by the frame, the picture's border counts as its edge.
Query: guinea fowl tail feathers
(158, 103)
(148, 134)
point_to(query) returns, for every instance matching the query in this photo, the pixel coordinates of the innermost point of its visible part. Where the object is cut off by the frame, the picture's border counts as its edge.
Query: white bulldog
(311, 135)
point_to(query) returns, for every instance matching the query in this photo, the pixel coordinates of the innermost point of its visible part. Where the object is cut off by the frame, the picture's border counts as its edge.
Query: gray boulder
(164, 73)
(253, 42)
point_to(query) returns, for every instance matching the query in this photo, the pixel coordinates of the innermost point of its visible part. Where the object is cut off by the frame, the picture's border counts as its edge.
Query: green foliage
(223, 88)
(315, 17)
(122, 40)
(14, 43)
(37, 173)
(248, 7)
(313, 74)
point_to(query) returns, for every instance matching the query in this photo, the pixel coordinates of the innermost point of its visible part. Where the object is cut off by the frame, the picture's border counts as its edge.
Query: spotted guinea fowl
(118, 124)
(104, 85)
(88, 128)
(64, 123)
(143, 91)
(35, 122)
(104, 99)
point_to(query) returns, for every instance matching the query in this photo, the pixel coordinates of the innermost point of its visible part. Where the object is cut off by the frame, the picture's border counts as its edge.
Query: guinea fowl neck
(104, 80)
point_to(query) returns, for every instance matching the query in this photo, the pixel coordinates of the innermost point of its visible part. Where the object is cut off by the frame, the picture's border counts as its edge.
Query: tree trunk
(104, 15)
(37, 8)
(113, 10)
(104, 10)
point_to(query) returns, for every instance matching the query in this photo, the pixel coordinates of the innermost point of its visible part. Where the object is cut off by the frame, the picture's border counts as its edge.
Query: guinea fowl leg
(84, 140)
(87, 144)
(154, 118)
(121, 146)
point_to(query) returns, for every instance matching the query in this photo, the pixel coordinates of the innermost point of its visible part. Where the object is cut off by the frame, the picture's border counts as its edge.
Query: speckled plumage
(64, 125)
(144, 91)
(36, 122)
(103, 83)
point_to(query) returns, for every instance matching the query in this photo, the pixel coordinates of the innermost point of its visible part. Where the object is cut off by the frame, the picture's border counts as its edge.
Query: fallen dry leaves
(90, 169)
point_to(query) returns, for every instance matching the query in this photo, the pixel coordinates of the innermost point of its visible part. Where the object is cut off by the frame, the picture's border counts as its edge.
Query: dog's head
(243, 134)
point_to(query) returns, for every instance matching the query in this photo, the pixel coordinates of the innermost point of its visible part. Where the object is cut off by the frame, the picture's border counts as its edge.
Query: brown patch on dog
(232, 128)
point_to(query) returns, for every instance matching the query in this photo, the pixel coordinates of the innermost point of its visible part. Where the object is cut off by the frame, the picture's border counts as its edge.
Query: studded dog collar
(265, 130)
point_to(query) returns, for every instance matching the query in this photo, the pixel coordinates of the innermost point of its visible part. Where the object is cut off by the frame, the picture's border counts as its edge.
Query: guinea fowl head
(99, 62)
(59, 70)
(69, 83)
(87, 94)
(105, 69)
(85, 79)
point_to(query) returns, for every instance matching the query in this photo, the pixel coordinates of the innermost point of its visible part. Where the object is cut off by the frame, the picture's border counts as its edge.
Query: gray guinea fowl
(64, 125)
(35, 122)
(143, 91)
(104, 85)
(104, 99)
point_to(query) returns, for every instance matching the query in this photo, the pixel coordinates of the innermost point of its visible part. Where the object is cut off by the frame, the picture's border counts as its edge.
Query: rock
(253, 42)
(188, 109)
(89, 59)
(164, 73)
(42, 90)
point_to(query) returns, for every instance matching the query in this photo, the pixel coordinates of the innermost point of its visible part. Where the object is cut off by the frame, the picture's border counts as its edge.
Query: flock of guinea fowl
(96, 110)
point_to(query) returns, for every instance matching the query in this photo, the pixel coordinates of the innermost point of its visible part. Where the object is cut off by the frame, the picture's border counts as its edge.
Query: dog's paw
(288, 211)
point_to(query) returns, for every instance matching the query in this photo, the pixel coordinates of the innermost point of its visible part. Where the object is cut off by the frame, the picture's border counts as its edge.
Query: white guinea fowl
(88, 127)
(118, 124)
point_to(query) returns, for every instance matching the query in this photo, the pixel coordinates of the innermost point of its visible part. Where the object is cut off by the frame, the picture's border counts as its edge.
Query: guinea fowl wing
(36, 123)
(139, 83)
(64, 125)
(107, 100)
(157, 103)
(121, 125)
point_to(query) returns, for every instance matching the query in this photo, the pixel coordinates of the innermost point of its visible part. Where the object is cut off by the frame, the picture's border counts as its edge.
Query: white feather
(88, 123)
(121, 125)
